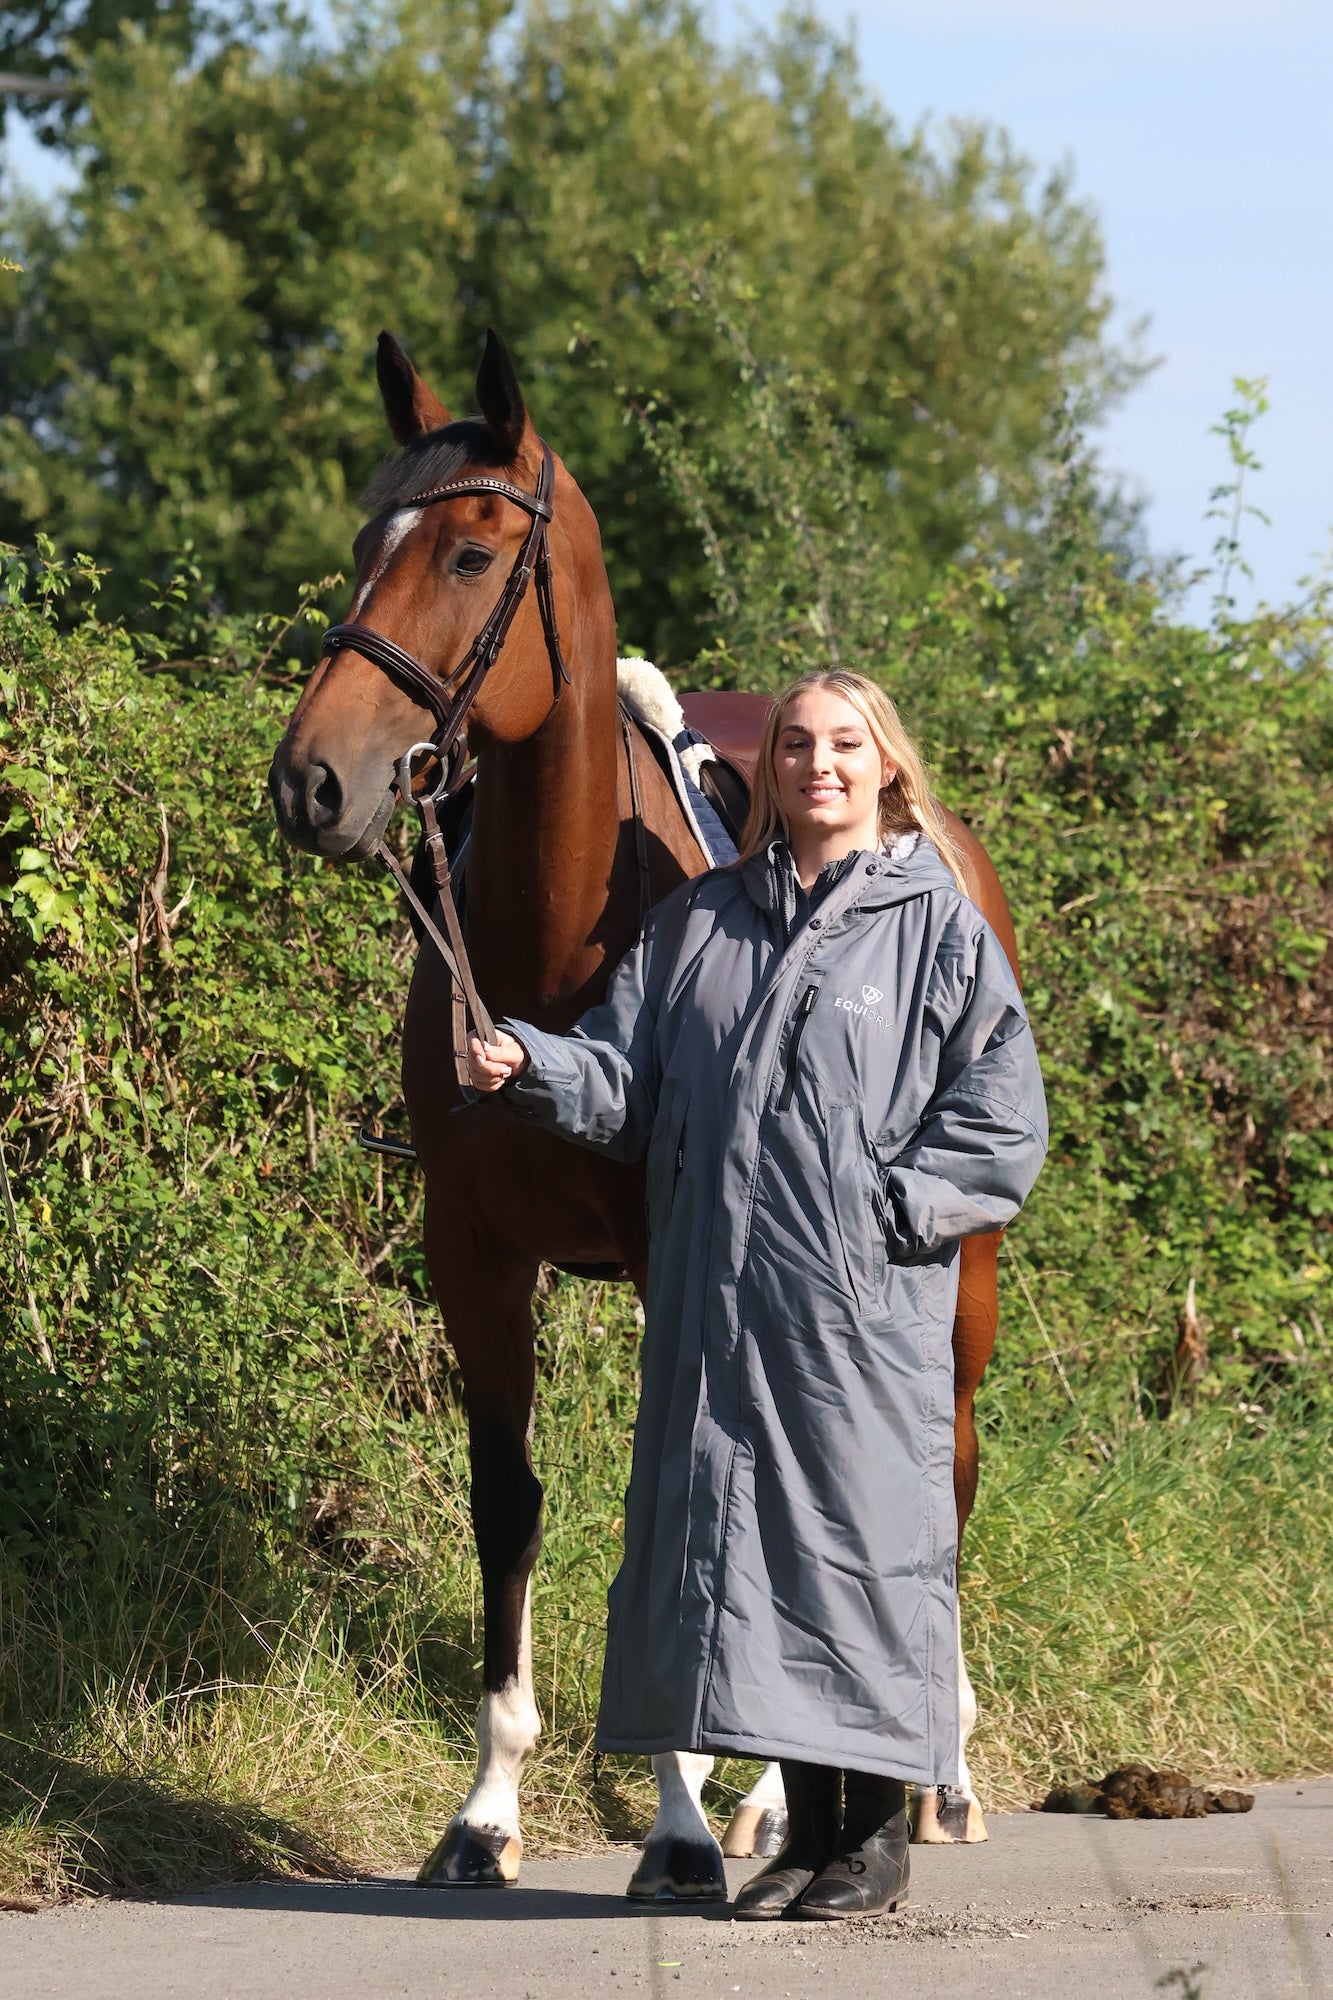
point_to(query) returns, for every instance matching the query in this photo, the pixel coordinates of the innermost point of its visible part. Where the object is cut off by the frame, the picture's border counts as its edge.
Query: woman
(823, 1054)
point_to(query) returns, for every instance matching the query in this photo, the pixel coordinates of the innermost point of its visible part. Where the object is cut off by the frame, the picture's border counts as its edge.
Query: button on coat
(824, 1118)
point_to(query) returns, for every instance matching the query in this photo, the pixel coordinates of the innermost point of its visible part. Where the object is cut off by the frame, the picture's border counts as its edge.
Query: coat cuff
(535, 1093)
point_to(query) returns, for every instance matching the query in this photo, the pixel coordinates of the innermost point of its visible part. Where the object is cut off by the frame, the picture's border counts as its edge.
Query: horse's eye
(472, 561)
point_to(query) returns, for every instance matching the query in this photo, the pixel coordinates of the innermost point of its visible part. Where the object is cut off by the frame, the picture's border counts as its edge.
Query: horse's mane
(432, 461)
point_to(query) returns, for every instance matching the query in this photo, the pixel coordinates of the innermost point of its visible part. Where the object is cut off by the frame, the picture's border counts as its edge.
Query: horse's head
(427, 579)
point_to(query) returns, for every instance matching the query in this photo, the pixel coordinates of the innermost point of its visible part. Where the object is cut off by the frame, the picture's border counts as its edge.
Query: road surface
(1225, 1908)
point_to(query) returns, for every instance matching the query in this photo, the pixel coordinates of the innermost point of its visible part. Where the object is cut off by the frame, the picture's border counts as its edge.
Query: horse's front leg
(681, 1861)
(493, 1341)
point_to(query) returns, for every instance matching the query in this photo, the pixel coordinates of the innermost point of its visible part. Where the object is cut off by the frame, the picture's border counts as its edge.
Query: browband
(532, 501)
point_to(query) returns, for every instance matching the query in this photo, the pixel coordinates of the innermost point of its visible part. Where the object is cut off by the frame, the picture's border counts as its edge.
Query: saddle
(732, 724)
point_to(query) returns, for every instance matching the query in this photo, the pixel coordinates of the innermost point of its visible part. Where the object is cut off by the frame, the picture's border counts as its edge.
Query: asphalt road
(1051, 1906)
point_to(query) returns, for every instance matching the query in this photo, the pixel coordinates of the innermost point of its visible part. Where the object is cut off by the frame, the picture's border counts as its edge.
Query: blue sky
(1201, 133)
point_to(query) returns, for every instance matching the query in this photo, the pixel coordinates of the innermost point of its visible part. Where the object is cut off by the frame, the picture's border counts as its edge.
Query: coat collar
(870, 881)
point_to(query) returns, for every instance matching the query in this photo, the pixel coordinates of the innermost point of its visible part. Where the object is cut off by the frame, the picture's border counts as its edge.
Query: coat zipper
(805, 1008)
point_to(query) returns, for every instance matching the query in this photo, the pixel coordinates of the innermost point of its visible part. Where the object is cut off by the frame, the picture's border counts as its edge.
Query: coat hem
(856, 1756)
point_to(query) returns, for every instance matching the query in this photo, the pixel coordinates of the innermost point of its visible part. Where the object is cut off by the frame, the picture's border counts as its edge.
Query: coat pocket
(666, 1152)
(858, 1204)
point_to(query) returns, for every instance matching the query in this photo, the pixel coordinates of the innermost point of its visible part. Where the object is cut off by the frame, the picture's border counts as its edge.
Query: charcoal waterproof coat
(826, 1112)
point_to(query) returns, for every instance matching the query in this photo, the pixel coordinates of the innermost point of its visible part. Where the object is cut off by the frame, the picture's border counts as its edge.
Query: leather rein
(449, 701)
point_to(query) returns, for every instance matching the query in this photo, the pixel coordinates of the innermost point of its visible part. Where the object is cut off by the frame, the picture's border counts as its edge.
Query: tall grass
(178, 1706)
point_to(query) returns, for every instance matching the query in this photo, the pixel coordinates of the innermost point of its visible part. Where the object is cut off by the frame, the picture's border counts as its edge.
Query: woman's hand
(489, 1064)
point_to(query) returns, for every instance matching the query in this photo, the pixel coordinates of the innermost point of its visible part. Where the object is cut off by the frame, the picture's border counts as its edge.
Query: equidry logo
(864, 1008)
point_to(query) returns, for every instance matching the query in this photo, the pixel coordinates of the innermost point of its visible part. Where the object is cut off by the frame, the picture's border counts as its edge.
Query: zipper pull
(803, 1012)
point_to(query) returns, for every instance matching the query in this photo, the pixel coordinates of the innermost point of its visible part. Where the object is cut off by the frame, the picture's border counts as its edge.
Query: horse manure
(1134, 1791)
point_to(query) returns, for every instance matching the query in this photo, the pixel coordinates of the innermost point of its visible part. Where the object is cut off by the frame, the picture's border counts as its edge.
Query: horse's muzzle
(314, 814)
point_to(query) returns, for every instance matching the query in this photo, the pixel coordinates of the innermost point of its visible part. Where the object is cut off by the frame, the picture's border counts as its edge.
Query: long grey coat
(824, 1119)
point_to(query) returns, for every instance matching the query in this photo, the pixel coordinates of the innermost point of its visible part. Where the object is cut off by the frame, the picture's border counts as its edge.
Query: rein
(449, 700)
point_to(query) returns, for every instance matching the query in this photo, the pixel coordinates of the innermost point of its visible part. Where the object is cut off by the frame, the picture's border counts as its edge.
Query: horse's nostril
(324, 796)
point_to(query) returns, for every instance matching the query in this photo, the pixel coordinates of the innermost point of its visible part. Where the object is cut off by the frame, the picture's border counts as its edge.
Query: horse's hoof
(472, 1857)
(757, 1831)
(947, 1818)
(679, 1871)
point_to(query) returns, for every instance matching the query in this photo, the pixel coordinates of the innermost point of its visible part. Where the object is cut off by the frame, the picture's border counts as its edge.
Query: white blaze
(400, 525)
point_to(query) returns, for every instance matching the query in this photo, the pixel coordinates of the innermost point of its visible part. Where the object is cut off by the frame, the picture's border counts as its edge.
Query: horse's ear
(412, 408)
(499, 397)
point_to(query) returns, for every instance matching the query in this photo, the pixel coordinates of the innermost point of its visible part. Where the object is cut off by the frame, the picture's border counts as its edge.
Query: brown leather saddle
(733, 724)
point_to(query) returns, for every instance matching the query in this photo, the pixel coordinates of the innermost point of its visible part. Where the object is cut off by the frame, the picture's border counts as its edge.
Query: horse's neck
(545, 831)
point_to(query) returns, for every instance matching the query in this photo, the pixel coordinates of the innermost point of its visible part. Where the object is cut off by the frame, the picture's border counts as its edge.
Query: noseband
(450, 699)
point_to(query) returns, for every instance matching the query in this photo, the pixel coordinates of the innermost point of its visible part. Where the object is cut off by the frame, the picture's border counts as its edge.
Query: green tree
(187, 356)
(47, 40)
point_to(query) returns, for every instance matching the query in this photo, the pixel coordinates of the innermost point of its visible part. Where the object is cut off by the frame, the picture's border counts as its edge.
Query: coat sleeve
(599, 1083)
(972, 1161)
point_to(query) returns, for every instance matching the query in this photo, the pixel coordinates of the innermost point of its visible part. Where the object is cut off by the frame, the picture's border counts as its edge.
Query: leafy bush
(191, 1014)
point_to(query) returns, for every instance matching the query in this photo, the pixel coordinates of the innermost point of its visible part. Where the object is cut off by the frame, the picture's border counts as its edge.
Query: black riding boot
(868, 1873)
(814, 1819)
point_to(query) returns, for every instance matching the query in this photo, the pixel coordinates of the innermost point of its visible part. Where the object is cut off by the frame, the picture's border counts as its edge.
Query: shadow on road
(380, 1896)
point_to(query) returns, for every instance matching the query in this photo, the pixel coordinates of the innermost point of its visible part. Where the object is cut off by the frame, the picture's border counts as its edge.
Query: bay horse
(557, 874)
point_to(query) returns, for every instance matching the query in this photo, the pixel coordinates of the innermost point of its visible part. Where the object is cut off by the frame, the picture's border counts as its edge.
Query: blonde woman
(824, 1059)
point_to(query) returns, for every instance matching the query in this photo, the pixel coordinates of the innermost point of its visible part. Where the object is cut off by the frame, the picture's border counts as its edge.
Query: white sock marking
(680, 1776)
(767, 1794)
(967, 1716)
(508, 1726)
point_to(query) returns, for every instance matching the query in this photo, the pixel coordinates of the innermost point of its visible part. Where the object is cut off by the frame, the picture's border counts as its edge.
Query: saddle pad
(647, 696)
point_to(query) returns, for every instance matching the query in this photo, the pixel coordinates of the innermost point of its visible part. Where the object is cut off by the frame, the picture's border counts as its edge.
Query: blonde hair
(905, 805)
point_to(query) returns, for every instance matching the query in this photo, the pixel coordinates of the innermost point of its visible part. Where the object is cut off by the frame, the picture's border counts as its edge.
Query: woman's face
(829, 770)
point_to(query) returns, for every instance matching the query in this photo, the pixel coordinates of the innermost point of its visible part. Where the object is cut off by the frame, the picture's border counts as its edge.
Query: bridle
(449, 700)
